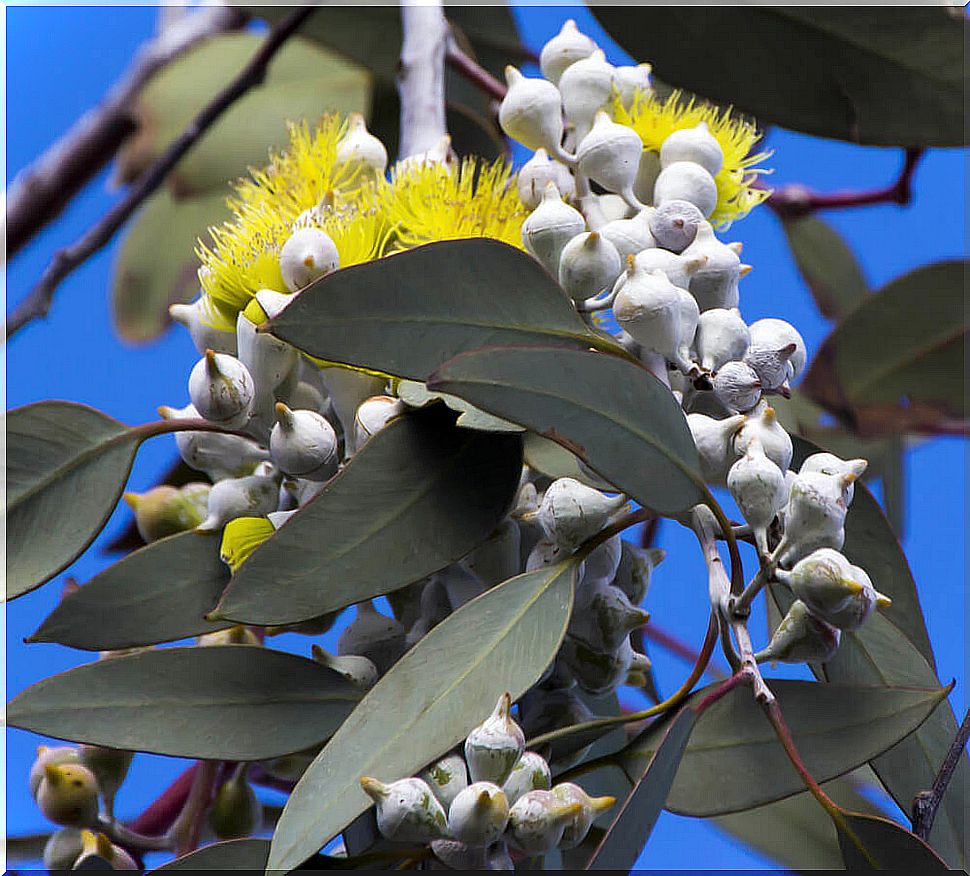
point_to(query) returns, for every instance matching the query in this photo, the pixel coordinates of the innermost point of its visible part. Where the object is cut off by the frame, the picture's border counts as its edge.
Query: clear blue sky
(61, 61)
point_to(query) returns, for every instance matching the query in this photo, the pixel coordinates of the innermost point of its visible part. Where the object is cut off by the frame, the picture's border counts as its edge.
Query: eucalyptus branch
(184, 832)
(158, 817)
(40, 192)
(461, 62)
(115, 831)
(676, 647)
(421, 76)
(926, 803)
(66, 261)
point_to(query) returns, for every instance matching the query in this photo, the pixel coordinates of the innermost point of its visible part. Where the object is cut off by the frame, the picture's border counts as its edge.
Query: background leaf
(226, 702)
(612, 414)
(892, 77)
(555, 461)
(157, 594)
(419, 496)
(446, 684)
(891, 846)
(408, 313)
(229, 856)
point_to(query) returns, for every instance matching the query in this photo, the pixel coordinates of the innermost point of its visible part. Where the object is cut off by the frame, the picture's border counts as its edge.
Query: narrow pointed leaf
(227, 702)
(888, 846)
(446, 684)
(408, 313)
(157, 594)
(419, 496)
(612, 414)
(629, 832)
(230, 856)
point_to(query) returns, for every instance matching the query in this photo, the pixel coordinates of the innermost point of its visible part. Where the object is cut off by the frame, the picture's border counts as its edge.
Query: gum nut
(197, 318)
(358, 670)
(632, 81)
(537, 173)
(610, 156)
(494, 747)
(801, 637)
(567, 47)
(269, 360)
(60, 754)
(722, 337)
(303, 444)
(775, 441)
(460, 856)
(603, 617)
(830, 464)
(737, 386)
(695, 145)
(773, 334)
(630, 236)
(479, 814)
(548, 228)
(674, 224)
(358, 148)
(446, 777)
(252, 496)
(714, 283)
(571, 512)
(68, 794)
(531, 773)
(62, 849)
(407, 810)
(235, 812)
(589, 263)
(221, 389)
(307, 255)
(376, 636)
(537, 821)
(833, 589)
(815, 505)
(686, 181)
(580, 822)
(373, 415)
(715, 441)
(531, 113)
(586, 87)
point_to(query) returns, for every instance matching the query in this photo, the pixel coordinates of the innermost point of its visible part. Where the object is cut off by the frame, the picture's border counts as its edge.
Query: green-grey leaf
(555, 461)
(66, 468)
(157, 265)
(827, 265)
(895, 364)
(419, 496)
(446, 684)
(734, 760)
(226, 702)
(408, 313)
(888, 846)
(611, 413)
(229, 856)
(895, 78)
(630, 830)
(157, 594)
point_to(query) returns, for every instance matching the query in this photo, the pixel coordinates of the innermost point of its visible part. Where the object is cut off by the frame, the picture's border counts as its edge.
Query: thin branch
(41, 191)
(461, 62)
(185, 831)
(65, 261)
(794, 201)
(158, 817)
(421, 76)
(676, 647)
(926, 803)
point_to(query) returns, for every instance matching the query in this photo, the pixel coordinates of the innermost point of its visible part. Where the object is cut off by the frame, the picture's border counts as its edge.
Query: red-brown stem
(188, 826)
(158, 817)
(468, 67)
(681, 649)
(742, 676)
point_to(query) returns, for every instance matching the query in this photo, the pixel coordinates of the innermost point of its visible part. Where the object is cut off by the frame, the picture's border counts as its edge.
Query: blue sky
(74, 355)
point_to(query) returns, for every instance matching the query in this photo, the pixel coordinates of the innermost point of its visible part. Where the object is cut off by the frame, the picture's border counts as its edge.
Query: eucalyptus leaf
(630, 830)
(555, 461)
(419, 496)
(446, 684)
(889, 79)
(408, 313)
(895, 364)
(157, 594)
(613, 414)
(226, 702)
(67, 465)
(229, 856)
(888, 846)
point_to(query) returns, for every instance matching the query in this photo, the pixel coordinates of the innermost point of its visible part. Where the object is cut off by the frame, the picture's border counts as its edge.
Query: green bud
(478, 814)
(236, 812)
(407, 810)
(165, 510)
(68, 794)
(494, 747)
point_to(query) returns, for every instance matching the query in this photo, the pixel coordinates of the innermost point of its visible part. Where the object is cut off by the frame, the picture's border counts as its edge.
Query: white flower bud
(773, 366)
(269, 360)
(603, 562)
(222, 390)
(586, 87)
(589, 264)
(62, 849)
(46, 755)
(635, 570)
(303, 444)
(674, 224)
(610, 155)
(441, 153)
(68, 794)
(479, 814)
(219, 456)
(494, 747)
(737, 386)
(630, 236)
(358, 670)
(531, 112)
(531, 773)
(462, 856)
(537, 173)
(571, 512)
(567, 47)
(814, 516)
(677, 268)
(693, 144)
(307, 255)
(446, 778)
(762, 424)
(773, 334)
(589, 807)
(379, 638)
(758, 486)
(253, 496)
(630, 80)
(546, 553)
(548, 228)
(407, 811)
(830, 464)
(686, 181)
(603, 617)
(801, 637)
(373, 415)
(537, 821)
(358, 148)
(715, 282)
(197, 319)
(722, 337)
(715, 444)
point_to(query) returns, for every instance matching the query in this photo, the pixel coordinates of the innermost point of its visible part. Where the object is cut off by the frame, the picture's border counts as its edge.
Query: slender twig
(65, 261)
(41, 191)
(926, 803)
(186, 829)
(794, 201)
(130, 839)
(470, 69)
(158, 817)
(676, 647)
(421, 76)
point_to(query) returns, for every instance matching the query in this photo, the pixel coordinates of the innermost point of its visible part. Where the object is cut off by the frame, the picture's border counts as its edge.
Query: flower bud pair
(758, 486)
(715, 283)
(219, 456)
(801, 637)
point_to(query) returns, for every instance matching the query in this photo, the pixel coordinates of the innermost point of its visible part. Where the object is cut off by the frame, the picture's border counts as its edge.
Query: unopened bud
(571, 512)
(494, 747)
(236, 811)
(478, 814)
(537, 821)
(589, 807)
(407, 810)
(166, 510)
(358, 670)
(531, 773)
(68, 794)
(222, 389)
(446, 778)
(97, 845)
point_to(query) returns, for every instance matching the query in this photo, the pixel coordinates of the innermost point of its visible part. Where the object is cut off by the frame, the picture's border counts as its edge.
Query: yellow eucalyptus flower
(241, 537)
